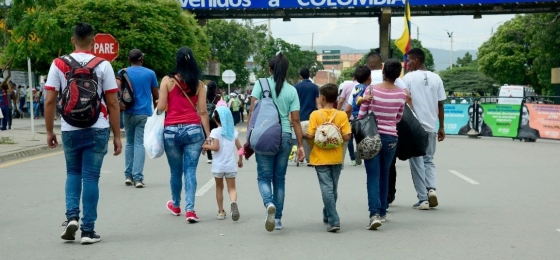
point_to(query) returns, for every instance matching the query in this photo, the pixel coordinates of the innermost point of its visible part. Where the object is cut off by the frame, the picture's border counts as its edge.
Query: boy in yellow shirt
(328, 162)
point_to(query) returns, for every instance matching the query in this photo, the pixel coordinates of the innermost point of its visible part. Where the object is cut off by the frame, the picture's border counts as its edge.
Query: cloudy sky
(363, 33)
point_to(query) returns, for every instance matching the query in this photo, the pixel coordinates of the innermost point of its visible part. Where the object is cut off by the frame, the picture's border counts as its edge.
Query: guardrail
(484, 117)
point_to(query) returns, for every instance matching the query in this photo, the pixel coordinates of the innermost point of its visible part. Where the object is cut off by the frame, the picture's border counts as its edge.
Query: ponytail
(279, 65)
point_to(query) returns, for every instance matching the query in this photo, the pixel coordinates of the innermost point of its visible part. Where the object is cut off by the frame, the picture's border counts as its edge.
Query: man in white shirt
(426, 96)
(84, 148)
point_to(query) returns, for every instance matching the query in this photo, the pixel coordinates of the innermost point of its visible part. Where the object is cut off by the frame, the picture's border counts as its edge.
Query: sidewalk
(26, 144)
(20, 142)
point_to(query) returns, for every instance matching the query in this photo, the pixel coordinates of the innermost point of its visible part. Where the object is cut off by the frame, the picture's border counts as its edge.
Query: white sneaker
(383, 219)
(270, 223)
(374, 222)
(358, 158)
(432, 198)
(209, 161)
(70, 231)
(423, 205)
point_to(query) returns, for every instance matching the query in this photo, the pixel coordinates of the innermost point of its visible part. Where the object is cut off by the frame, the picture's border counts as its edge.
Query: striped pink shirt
(388, 106)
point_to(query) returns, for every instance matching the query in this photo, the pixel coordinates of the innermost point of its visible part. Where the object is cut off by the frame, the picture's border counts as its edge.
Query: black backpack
(80, 102)
(126, 90)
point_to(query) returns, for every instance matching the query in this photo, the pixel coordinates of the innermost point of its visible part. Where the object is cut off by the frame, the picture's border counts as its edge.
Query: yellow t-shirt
(332, 156)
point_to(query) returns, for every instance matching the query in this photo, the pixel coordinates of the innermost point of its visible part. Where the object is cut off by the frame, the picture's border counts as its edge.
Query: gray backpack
(265, 129)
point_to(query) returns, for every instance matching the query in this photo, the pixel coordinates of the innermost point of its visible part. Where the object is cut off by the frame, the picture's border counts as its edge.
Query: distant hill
(441, 56)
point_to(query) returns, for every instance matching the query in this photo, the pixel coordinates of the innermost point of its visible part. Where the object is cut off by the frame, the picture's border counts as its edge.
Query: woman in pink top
(181, 94)
(387, 101)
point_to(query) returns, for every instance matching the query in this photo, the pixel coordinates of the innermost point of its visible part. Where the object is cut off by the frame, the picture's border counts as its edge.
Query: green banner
(501, 120)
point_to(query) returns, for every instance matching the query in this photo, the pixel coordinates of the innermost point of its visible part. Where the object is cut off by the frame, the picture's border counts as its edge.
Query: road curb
(23, 153)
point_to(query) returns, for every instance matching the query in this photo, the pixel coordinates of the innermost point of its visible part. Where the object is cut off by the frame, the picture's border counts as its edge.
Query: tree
(231, 46)
(467, 79)
(298, 59)
(346, 74)
(522, 51)
(503, 56)
(42, 30)
(467, 60)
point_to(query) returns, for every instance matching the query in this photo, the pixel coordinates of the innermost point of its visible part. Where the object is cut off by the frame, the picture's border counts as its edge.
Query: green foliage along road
(522, 51)
(298, 59)
(157, 27)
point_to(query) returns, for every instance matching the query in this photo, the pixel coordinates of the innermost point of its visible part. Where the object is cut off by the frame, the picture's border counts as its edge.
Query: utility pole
(312, 39)
(269, 34)
(417, 33)
(450, 34)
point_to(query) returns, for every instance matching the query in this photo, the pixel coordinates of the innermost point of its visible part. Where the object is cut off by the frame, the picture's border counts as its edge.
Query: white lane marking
(467, 179)
(205, 188)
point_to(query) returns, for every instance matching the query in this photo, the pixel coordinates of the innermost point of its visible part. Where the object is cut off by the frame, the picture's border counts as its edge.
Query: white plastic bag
(153, 135)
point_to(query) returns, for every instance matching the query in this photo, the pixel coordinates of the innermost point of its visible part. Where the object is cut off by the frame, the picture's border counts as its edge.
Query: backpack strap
(265, 87)
(94, 62)
(333, 116)
(70, 61)
(331, 119)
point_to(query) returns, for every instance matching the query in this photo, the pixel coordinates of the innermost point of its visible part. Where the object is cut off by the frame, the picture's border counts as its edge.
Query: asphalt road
(504, 207)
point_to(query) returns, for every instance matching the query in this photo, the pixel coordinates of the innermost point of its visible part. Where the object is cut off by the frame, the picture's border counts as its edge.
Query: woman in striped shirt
(387, 101)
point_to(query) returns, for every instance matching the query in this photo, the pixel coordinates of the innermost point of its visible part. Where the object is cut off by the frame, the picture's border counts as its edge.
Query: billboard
(275, 4)
(331, 57)
(540, 121)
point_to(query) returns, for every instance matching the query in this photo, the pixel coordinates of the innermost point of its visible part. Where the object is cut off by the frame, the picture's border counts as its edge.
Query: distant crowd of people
(16, 102)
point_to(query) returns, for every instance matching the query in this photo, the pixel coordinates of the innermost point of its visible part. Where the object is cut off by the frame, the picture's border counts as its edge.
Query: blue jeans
(328, 182)
(6, 119)
(84, 151)
(134, 152)
(183, 146)
(377, 170)
(271, 175)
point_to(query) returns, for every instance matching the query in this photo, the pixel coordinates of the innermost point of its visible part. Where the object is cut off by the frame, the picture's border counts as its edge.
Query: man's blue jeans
(328, 182)
(377, 170)
(271, 175)
(135, 154)
(183, 146)
(84, 151)
(351, 147)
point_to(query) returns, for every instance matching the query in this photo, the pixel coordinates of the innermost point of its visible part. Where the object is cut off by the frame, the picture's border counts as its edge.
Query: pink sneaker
(174, 210)
(192, 217)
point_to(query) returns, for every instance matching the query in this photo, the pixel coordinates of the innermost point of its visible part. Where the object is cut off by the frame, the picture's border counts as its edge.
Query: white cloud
(363, 33)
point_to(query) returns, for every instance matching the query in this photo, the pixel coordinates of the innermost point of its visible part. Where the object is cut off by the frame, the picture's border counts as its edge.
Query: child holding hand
(224, 142)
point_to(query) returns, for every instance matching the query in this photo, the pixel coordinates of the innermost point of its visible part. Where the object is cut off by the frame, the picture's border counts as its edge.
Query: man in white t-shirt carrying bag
(88, 96)
(426, 96)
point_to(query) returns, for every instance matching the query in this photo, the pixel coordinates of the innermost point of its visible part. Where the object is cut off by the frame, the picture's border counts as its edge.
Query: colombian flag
(403, 43)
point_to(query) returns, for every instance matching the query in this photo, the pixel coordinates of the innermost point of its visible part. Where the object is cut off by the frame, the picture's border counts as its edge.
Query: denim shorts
(228, 175)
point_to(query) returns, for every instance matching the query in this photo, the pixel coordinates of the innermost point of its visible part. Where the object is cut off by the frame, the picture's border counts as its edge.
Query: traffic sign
(106, 47)
(228, 76)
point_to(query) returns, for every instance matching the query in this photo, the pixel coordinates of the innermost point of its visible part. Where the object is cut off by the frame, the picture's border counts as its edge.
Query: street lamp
(450, 34)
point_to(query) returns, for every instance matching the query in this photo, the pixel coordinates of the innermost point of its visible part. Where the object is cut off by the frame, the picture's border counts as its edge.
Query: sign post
(106, 47)
(228, 77)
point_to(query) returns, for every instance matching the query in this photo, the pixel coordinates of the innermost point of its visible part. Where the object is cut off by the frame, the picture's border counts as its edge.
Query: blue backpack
(358, 92)
(265, 129)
